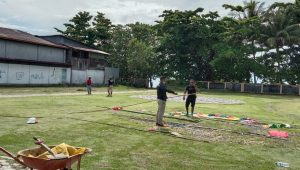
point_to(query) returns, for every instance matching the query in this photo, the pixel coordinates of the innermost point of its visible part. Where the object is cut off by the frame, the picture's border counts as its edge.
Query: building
(85, 61)
(27, 59)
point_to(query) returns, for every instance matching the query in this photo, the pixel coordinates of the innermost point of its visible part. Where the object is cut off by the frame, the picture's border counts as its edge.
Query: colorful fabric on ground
(279, 134)
(279, 125)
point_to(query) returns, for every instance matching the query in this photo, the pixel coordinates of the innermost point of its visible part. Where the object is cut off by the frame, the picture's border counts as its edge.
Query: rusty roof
(21, 36)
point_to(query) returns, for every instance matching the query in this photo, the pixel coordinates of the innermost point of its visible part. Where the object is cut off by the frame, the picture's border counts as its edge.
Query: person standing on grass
(161, 100)
(110, 87)
(89, 85)
(191, 90)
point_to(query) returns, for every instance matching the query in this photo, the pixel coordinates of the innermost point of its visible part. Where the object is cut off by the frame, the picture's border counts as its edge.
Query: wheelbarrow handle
(13, 156)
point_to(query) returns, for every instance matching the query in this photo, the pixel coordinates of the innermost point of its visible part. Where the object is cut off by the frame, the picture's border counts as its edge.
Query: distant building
(27, 59)
(85, 60)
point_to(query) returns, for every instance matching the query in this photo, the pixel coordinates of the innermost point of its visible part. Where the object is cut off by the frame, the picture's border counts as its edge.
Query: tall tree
(140, 59)
(280, 33)
(120, 39)
(102, 31)
(79, 28)
(185, 43)
(250, 16)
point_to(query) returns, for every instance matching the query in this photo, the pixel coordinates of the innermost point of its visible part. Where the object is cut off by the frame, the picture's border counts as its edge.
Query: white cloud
(41, 16)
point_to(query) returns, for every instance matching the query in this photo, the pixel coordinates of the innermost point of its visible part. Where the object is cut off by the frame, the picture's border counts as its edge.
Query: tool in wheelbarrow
(37, 158)
(53, 155)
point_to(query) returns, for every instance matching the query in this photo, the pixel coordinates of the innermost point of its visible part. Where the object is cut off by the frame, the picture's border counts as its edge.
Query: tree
(79, 28)
(143, 32)
(249, 10)
(140, 59)
(97, 34)
(280, 33)
(249, 16)
(102, 31)
(232, 62)
(120, 39)
(185, 46)
(132, 49)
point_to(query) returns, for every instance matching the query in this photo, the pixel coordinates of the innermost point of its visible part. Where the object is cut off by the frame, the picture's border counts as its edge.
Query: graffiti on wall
(2, 74)
(20, 75)
(54, 75)
(37, 76)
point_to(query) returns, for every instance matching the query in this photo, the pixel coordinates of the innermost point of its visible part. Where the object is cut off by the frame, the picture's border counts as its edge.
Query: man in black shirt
(110, 87)
(191, 90)
(161, 100)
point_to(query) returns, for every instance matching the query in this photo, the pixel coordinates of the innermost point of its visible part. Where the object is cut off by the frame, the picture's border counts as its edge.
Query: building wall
(80, 76)
(111, 72)
(35, 75)
(2, 48)
(51, 54)
(16, 50)
(26, 51)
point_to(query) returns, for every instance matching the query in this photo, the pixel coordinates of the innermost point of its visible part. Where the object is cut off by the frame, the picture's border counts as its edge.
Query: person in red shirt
(89, 85)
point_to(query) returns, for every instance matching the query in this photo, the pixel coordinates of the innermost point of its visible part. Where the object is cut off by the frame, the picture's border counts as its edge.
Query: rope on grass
(140, 130)
(21, 117)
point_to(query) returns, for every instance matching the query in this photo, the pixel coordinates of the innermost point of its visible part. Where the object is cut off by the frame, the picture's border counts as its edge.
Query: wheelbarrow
(45, 164)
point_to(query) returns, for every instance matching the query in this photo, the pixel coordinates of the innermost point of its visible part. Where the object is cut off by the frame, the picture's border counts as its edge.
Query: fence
(252, 88)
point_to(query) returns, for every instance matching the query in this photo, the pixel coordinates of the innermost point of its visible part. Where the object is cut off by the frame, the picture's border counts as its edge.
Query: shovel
(53, 155)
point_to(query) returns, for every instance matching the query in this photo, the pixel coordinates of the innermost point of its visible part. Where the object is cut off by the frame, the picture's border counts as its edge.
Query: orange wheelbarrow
(43, 164)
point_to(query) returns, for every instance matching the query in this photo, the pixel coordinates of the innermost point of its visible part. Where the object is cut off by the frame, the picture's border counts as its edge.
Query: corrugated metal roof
(89, 50)
(82, 47)
(17, 35)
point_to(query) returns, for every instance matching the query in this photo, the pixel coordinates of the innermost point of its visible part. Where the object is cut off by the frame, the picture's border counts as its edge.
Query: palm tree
(251, 13)
(280, 31)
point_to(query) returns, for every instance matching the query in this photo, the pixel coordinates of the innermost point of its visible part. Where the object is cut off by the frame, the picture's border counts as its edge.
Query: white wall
(18, 74)
(96, 75)
(80, 76)
(56, 75)
(30, 74)
(3, 73)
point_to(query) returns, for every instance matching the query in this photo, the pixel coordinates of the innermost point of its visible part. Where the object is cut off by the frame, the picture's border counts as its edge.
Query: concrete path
(68, 94)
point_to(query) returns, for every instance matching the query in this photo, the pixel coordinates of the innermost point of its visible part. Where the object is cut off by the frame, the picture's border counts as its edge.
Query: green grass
(125, 148)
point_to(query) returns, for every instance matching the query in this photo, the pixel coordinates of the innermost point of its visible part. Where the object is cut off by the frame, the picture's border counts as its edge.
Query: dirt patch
(193, 130)
(200, 99)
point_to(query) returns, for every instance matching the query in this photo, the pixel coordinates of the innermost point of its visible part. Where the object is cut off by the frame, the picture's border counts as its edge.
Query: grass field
(81, 121)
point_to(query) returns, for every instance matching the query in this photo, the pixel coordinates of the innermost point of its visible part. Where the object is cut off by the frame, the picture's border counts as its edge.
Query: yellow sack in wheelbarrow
(64, 149)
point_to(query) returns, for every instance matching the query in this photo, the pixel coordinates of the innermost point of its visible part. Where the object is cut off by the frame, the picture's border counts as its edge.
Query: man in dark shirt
(110, 87)
(161, 100)
(89, 85)
(191, 90)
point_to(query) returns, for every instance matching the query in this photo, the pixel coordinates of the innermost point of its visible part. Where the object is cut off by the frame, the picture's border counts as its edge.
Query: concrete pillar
(262, 88)
(208, 85)
(242, 87)
(280, 88)
(225, 85)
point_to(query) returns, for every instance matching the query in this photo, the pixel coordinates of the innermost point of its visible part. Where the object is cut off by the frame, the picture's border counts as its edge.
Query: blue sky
(41, 16)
